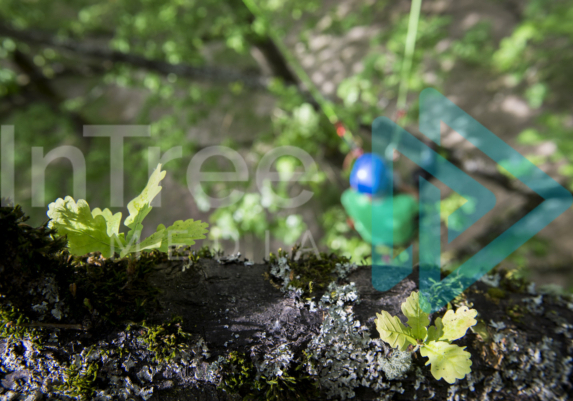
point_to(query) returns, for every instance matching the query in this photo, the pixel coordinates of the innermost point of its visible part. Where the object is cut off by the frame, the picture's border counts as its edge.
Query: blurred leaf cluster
(177, 66)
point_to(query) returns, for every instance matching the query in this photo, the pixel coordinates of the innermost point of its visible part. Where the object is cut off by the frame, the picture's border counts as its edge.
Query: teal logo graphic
(434, 109)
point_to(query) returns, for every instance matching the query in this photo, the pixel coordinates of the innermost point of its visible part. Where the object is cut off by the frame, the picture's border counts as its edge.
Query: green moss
(166, 340)
(239, 374)
(13, 327)
(204, 252)
(194, 256)
(80, 381)
(310, 271)
(107, 289)
(241, 377)
(515, 312)
(496, 293)
(514, 283)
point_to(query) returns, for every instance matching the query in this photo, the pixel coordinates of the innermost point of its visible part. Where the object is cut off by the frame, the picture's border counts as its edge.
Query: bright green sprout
(98, 231)
(448, 360)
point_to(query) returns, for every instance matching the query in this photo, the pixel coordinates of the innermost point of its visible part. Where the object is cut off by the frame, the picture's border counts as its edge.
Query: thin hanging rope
(409, 53)
(405, 75)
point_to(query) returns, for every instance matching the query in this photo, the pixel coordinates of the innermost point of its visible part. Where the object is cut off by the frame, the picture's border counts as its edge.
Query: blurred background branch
(213, 73)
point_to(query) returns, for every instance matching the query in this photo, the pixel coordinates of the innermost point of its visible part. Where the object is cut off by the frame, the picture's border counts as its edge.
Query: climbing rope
(408, 55)
(401, 110)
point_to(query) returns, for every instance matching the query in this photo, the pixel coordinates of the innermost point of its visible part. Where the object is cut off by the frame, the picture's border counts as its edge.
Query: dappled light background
(211, 73)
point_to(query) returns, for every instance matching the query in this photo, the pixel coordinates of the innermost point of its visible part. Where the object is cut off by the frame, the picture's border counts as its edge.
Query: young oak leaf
(183, 233)
(435, 332)
(456, 324)
(180, 233)
(140, 206)
(112, 220)
(86, 232)
(393, 331)
(99, 230)
(448, 361)
(418, 320)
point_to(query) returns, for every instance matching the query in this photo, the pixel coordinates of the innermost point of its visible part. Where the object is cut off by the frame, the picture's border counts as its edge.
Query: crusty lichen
(343, 356)
(523, 368)
(119, 368)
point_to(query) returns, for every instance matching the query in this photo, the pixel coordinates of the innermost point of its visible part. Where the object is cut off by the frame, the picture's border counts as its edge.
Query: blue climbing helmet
(369, 175)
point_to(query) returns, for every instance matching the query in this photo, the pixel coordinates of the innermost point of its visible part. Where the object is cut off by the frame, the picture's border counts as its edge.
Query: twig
(89, 50)
(52, 326)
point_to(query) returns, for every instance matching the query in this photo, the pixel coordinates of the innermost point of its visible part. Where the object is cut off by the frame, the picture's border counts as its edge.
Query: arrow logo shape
(435, 108)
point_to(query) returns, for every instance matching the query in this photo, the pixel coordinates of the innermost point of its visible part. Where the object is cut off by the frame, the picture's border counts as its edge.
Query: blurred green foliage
(534, 59)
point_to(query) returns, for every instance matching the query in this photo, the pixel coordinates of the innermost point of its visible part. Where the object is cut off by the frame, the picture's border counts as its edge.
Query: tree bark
(523, 353)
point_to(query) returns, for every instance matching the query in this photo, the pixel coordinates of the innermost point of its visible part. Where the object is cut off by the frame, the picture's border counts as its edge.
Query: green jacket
(364, 210)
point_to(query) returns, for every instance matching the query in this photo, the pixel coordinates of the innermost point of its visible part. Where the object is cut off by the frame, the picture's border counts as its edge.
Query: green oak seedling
(448, 361)
(98, 231)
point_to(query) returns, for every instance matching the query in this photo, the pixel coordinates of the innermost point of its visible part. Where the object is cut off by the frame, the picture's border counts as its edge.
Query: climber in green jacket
(367, 202)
